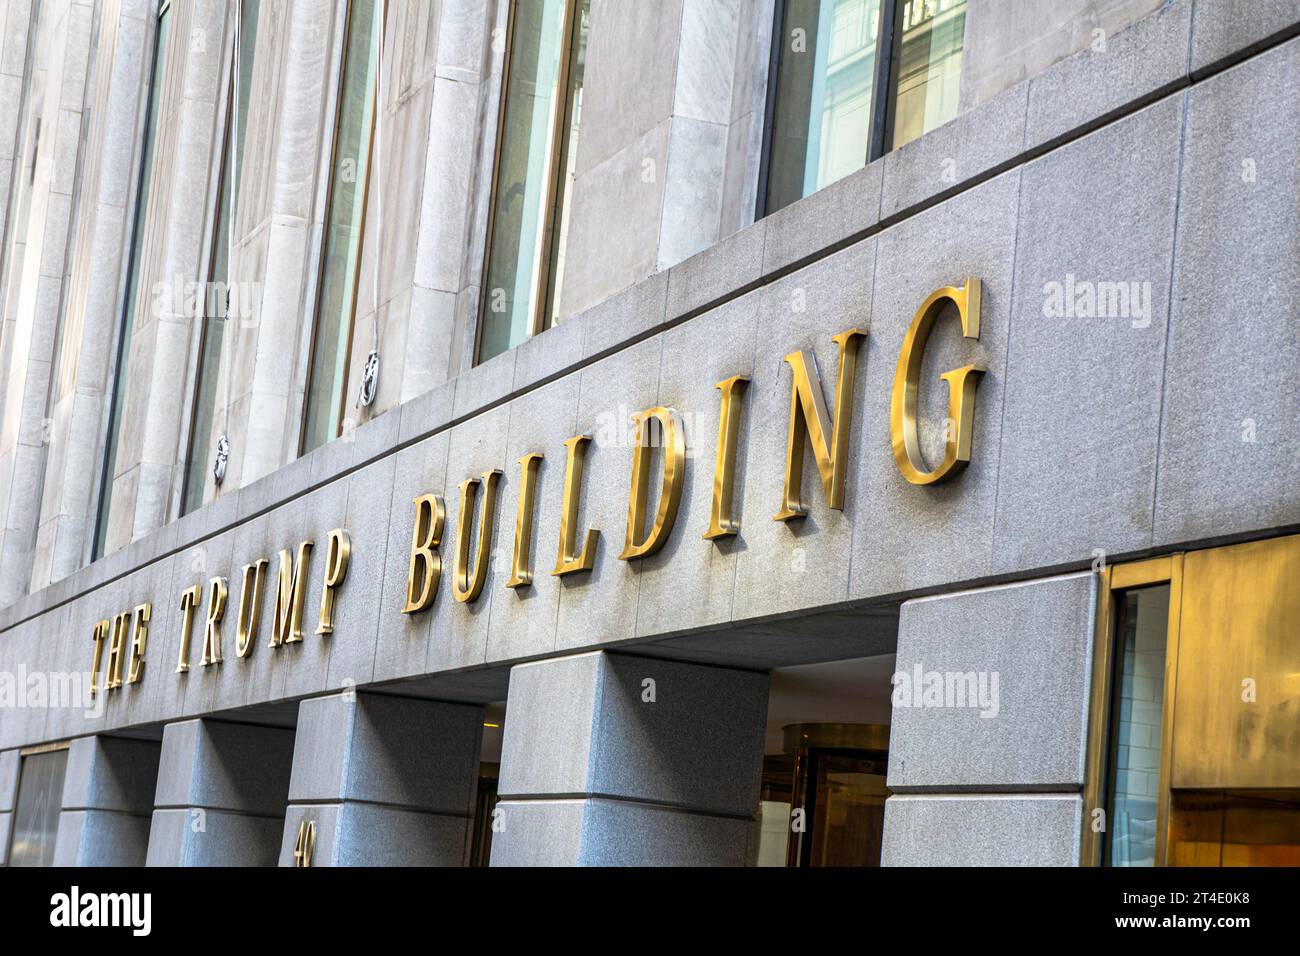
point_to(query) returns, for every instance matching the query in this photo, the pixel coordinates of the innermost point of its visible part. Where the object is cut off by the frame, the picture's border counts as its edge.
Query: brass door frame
(1114, 580)
(808, 744)
(44, 748)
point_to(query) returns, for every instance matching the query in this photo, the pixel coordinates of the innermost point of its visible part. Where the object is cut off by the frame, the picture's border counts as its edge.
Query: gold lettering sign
(338, 553)
(721, 521)
(808, 419)
(120, 641)
(521, 567)
(304, 848)
(217, 591)
(189, 603)
(139, 641)
(426, 561)
(566, 561)
(286, 624)
(962, 383)
(670, 494)
(117, 651)
(466, 585)
(250, 606)
(101, 635)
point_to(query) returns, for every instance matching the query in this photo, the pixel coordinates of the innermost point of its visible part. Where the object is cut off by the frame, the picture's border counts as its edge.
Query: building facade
(587, 432)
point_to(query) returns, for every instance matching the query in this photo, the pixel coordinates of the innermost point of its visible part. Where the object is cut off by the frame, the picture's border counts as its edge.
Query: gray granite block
(101, 838)
(551, 709)
(982, 830)
(1229, 447)
(967, 146)
(402, 643)
(829, 216)
(908, 536)
(588, 725)
(688, 583)
(538, 832)
(223, 765)
(717, 271)
(419, 754)
(196, 837)
(624, 316)
(1223, 29)
(597, 832)
(1081, 420)
(359, 834)
(523, 620)
(1035, 640)
(784, 566)
(1139, 62)
(111, 773)
(599, 606)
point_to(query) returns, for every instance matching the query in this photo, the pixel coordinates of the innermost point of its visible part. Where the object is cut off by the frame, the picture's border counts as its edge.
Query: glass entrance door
(1195, 734)
(837, 793)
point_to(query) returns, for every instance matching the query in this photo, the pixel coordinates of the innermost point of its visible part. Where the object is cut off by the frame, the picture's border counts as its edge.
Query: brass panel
(1173, 641)
(1094, 779)
(1141, 573)
(1237, 722)
(1235, 828)
(43, 748)
(836, 736)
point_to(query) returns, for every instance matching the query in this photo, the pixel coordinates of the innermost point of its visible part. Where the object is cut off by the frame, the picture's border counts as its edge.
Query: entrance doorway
(838, 780)
(824, 771)
(1194, 747)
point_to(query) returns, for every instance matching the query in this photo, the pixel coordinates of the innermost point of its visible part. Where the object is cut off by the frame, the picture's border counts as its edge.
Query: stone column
(614, 760)
(654, 171)
(382, 781)
(108, 790)
(278, 225)
(81, 387)
(994, 781)
(221, 795)
(35, 271)
(8, 796)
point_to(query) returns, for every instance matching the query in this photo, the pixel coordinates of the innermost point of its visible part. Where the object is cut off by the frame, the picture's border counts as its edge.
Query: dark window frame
(205, 339)
(350, 316)
(539, 321)
(139, 213)
(882, 102)
(228, 137)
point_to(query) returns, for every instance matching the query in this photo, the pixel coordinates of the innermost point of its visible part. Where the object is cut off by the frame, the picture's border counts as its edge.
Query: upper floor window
(213, 317)
(851, 80)
(122, 364)
(344, 225)
(541, 110)
(926, 74)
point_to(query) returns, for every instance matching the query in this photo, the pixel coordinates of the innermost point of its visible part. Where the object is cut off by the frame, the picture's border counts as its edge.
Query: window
(132, 282)
(927, 71)
(1137, 710)
(213, 319)
(1184, 767)
(40, 800)
(344, 225)
(850, 80)
(541, 110)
